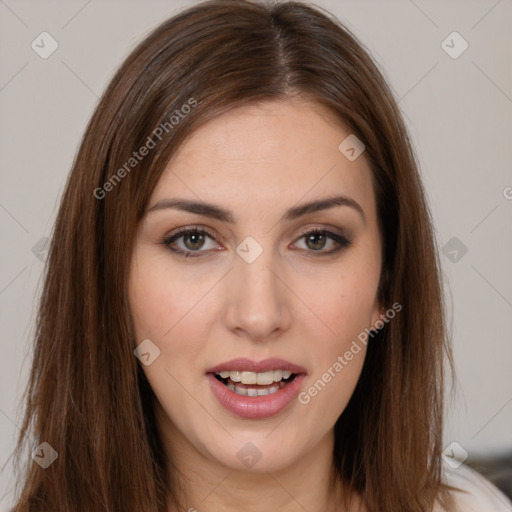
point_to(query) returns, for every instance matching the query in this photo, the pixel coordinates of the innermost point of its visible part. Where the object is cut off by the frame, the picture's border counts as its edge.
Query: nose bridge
(257, 297)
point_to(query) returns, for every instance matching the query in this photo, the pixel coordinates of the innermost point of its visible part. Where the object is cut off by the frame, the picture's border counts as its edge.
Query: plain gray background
(458, 111)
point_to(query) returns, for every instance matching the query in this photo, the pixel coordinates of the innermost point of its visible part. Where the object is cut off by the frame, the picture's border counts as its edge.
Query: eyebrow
(216, 212)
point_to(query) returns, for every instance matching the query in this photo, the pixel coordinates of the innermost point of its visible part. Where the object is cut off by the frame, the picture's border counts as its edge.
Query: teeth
(248, 378)
(262, 378)
(253, 391)
(266, 378)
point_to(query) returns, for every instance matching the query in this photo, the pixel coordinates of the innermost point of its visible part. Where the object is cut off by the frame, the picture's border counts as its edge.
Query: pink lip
(247, 365)
(257, 407)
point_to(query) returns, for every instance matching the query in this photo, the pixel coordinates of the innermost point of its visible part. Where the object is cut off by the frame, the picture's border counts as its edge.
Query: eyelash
(342, 241)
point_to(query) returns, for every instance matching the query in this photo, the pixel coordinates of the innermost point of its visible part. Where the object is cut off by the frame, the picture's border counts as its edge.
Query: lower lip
(255, 407)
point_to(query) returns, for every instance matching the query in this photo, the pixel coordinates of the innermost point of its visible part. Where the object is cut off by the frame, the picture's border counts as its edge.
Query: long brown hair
(87, 395)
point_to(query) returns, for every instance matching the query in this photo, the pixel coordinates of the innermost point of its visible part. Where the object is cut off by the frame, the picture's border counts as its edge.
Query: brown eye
(196, 240)
(188, 241)
(316, 240)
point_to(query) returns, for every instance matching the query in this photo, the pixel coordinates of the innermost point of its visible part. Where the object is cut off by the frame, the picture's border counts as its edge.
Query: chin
(258, 453)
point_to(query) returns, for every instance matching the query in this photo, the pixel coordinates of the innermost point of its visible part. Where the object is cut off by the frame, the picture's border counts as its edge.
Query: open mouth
(255, 384)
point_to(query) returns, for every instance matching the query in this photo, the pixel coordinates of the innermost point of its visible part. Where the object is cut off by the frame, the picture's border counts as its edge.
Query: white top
(483, 495)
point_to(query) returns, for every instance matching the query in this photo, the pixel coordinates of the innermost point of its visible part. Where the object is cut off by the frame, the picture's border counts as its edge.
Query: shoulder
(476, 494)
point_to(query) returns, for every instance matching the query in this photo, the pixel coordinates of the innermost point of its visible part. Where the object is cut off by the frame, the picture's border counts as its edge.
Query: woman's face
(255, 287)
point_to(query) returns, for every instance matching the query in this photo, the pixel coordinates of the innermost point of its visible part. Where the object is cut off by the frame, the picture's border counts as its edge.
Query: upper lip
(248, 365)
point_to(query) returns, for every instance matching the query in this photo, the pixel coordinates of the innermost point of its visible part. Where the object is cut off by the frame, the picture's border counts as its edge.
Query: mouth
(256, 390)
(255, 384)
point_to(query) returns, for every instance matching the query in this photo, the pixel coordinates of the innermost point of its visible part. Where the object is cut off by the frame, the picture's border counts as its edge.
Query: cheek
(173, 311)
(162, 303)
(328, 390)
(343, 295)
(162, 308)
(344, 306)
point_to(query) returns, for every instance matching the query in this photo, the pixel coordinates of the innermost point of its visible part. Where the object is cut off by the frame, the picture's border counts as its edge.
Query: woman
(243, 307)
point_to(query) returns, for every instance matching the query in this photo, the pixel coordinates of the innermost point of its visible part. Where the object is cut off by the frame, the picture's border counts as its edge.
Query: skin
(291, 302)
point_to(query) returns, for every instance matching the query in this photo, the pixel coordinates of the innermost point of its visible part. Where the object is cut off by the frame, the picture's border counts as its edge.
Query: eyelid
(323, 228)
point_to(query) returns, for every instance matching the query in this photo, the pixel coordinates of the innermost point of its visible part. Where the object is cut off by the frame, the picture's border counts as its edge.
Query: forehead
(266, 155)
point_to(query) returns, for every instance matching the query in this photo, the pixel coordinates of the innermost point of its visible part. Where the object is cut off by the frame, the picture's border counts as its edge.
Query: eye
(317, 239)
(193, 239)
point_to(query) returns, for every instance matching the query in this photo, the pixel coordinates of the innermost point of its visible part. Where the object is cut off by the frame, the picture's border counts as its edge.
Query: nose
(258, 303)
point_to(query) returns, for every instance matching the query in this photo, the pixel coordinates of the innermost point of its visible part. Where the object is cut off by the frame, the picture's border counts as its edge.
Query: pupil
(317, 235)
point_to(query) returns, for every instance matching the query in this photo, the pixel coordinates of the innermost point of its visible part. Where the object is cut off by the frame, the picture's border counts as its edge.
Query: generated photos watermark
(343, 360)
(137, 156)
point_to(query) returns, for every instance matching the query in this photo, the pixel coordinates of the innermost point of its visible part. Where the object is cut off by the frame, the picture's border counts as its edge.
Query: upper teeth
(262, 378)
